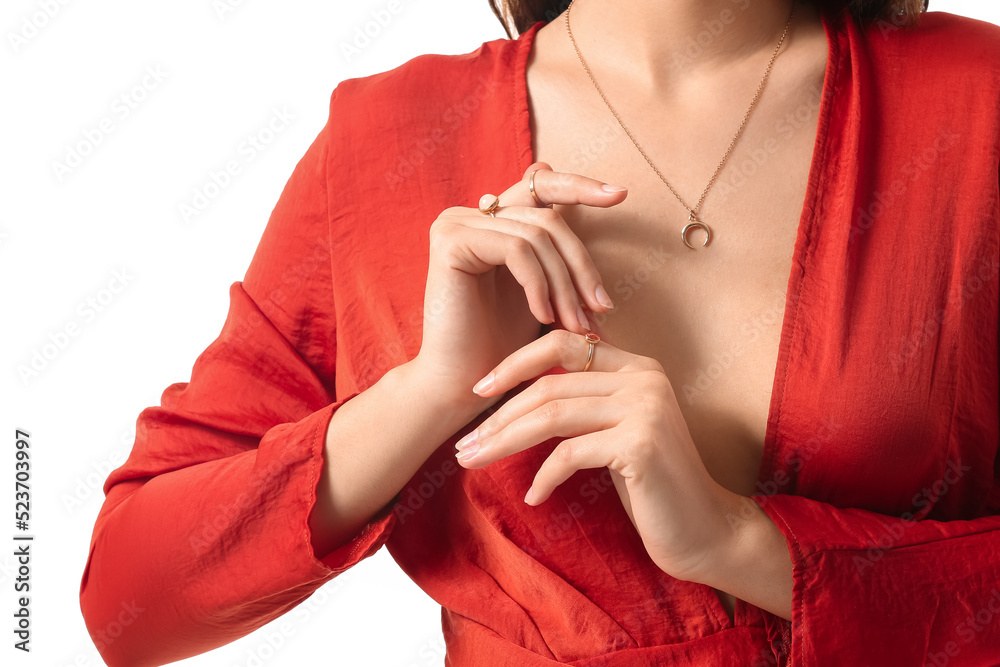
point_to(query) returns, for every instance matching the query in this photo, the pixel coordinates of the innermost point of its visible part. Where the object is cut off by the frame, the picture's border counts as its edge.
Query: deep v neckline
(820, 165)
(810, 210)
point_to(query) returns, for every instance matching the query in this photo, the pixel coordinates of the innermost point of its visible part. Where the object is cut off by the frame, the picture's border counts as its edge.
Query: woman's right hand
(492, 281)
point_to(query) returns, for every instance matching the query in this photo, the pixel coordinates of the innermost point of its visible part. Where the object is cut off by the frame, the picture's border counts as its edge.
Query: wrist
(442, 395)
(752, 560)
(744, 533)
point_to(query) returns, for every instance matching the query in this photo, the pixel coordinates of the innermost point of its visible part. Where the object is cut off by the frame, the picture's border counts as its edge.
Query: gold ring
(492, 207)
(531, 189)
(593, 339)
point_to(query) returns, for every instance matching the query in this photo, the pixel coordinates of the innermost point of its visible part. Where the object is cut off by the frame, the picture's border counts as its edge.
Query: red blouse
(880, 464)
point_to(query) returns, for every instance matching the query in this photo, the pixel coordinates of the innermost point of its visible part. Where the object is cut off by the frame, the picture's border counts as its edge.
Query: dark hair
(519, 15)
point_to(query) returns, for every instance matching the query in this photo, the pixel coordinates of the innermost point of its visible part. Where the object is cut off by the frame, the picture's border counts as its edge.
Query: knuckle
(544, 387)
(549, 217)
(645, 402)
(654, 365)
(437, 240)
(563, 453)
(660, 388)
(560, 338)
(641, 446)
(535, 235)
(641, 363)
(519, 245)
(550, 412)
(440, 226)
(639, 400)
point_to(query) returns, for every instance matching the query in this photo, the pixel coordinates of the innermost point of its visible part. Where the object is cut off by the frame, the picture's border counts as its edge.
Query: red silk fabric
(880, 463)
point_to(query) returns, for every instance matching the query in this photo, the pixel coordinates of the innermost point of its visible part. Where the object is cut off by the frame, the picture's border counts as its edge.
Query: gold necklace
(693, 220)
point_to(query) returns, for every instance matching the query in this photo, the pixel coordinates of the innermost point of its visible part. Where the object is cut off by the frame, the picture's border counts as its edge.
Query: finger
(560, 418)
(562, 289)
(551, 388)
(591, 450)
(477, 251)
(557, 348)
(558, 187)
(581, 267)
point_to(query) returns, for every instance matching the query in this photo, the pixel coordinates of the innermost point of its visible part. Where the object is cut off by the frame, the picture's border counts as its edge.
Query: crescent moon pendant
(691, 225)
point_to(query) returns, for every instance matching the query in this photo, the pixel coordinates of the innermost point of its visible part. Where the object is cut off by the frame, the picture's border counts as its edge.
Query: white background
(62, 237)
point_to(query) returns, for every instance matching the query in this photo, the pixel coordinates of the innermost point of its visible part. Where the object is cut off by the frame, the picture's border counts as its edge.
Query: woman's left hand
(622, 413)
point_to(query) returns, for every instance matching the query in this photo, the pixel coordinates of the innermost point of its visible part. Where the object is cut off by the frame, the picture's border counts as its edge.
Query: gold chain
(693, 218)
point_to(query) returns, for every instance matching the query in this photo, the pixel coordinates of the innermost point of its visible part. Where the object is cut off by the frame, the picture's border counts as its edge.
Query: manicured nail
(467, 440)
(468, 452)
(551, 313)
(584, 322)
(527, 496)
(485, 383)
(602, 297)
(613, 188)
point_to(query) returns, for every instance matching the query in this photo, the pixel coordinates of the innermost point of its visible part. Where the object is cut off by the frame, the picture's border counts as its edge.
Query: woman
(780, 445)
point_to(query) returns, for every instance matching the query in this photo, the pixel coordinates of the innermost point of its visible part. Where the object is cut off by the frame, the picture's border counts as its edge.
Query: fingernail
(551, 313)
(613, 188)
(527, 496)
(602, 297)
(584, 322)
(484, 384)
(468, 452)
(467, 440)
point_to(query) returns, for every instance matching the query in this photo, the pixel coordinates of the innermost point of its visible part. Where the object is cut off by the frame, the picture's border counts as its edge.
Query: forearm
(375, 442)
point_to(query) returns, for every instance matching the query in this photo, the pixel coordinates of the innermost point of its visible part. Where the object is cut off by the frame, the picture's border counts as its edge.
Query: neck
(656, 40)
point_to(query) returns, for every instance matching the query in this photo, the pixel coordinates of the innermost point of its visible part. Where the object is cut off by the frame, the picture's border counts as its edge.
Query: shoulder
(940, 42)
(428, 88)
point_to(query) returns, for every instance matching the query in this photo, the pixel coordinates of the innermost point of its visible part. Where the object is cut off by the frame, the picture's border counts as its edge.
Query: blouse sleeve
(203, 536)
(872, 589)
(869, 589)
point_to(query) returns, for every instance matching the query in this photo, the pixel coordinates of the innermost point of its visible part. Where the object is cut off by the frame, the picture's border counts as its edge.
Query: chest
(711, 316)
